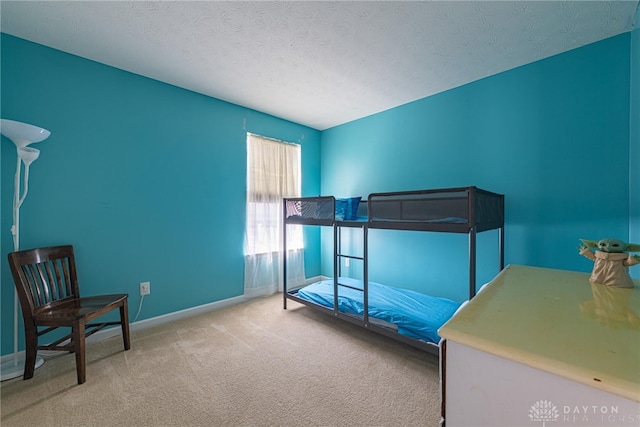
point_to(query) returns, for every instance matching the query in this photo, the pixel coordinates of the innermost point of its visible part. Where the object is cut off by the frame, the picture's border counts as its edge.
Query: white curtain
(273, 172)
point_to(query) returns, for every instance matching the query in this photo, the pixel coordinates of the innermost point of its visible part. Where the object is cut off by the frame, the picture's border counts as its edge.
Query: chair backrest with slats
(44, 276)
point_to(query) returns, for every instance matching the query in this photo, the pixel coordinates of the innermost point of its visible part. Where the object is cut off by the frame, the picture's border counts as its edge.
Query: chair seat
(69, 311)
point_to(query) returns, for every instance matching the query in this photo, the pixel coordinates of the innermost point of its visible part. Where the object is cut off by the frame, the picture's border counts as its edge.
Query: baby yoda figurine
(611, 261)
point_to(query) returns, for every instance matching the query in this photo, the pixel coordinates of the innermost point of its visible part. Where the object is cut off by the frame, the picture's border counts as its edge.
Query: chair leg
(79, 349)
(31, 350)
(124, 319)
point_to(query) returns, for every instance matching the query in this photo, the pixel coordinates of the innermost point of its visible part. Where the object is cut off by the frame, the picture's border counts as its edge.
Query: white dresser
(543, 347)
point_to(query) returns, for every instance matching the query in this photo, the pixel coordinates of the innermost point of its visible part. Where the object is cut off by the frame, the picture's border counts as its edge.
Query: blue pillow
(347, 209)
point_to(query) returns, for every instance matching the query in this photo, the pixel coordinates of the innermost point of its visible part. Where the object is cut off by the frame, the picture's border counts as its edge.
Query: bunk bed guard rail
(309, 210)
(457, 210)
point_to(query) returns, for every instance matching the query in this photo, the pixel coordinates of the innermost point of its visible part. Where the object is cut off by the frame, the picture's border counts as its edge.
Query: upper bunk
(453, 210)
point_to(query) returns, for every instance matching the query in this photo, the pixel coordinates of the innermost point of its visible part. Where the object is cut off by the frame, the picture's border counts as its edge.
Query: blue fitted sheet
(416, 315)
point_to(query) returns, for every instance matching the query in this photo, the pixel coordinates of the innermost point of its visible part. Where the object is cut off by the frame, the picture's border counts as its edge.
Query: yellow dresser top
(558, 322)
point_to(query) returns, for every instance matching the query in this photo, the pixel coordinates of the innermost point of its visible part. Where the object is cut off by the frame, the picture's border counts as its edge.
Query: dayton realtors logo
(545, 411)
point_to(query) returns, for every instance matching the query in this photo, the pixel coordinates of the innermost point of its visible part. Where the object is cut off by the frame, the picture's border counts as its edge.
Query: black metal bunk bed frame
(469, 210)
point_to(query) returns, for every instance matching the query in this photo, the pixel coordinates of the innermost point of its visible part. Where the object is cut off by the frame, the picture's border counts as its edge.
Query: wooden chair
(47, 286)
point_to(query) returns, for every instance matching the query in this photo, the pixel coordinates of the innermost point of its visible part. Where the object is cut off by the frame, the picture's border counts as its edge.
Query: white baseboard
(176, 315)
(169, 317)
(159, 320)
(7, 357)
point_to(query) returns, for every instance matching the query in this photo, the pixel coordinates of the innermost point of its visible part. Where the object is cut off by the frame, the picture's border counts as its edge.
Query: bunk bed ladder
(337, 268)
(365, 273)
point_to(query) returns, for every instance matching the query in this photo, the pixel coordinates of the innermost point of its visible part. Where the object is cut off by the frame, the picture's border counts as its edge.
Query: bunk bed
(404, 315)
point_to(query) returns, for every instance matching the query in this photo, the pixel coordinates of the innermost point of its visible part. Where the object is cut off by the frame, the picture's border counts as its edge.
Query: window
(273, 172)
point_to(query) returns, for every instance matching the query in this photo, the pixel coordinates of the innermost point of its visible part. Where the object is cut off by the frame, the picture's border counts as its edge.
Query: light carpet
(252, 364)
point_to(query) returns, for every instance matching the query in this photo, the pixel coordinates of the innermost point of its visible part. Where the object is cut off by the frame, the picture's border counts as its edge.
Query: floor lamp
(22, 134)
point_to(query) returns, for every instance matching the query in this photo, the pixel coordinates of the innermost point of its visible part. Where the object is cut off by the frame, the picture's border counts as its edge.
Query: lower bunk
(405, 315)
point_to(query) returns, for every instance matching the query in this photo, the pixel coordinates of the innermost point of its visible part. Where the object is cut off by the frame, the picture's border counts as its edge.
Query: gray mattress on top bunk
(414, 314)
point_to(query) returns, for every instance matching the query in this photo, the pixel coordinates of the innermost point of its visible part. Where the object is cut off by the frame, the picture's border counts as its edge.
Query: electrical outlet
(346, 262)
(145, 288)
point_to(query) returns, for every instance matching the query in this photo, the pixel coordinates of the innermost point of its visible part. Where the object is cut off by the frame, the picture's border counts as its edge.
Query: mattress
(415, 315)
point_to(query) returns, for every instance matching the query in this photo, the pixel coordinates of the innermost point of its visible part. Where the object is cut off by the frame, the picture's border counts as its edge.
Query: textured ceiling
(316, 63)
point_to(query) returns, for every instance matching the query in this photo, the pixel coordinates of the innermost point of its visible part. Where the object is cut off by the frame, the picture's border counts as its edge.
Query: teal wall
(553, 136)
(145, 179)
(634, 147)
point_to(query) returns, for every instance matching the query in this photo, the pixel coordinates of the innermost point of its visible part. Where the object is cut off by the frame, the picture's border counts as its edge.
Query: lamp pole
(22, 135)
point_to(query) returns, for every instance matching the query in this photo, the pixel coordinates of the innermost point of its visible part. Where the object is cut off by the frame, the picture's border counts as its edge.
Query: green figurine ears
(611, 245)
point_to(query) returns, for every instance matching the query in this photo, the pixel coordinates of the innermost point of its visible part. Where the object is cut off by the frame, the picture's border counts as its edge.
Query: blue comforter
(416, 315)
